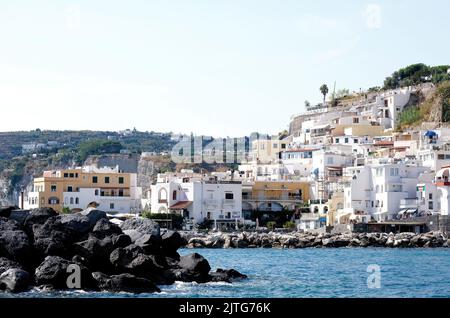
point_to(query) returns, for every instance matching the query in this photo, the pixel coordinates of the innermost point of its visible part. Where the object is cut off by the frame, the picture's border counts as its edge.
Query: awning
(180, 205)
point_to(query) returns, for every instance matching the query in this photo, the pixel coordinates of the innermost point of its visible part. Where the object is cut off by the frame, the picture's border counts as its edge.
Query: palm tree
(324, 91)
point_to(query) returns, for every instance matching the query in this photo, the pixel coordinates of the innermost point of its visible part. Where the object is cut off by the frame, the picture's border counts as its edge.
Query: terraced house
(74, 189)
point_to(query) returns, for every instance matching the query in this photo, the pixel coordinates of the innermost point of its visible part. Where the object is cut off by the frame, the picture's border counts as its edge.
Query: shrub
(177, 220)
(271, 225)
(65, 210)
(289, 225)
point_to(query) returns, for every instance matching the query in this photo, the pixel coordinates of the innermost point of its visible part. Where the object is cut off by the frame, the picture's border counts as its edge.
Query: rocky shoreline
(41, 248)
(309, 240)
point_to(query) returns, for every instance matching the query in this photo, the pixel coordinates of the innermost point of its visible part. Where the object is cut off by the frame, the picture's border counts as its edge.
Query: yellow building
(275, 195)
(76, 188)
(268, 150)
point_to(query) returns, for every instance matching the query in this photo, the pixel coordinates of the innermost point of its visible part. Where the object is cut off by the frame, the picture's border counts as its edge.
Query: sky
(212, 67)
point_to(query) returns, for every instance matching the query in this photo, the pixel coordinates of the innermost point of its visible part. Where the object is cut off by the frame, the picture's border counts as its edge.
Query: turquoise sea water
(313, 273)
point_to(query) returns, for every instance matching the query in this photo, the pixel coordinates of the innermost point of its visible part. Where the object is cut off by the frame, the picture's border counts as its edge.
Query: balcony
(411, 203)
(211, 202)
(227, 202)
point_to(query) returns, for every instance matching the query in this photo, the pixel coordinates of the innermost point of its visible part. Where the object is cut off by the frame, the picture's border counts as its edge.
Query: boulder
(14, 280)
(124, 283)
(121, 240)
(141, 225)
(19, 216)
(150, 243)
(94, 215)
(172, 241)
(226, 275)
(52, 238)
(76, 223)
(132, 234)
(6, 211)
(6, 264)
(8, 225)
(38, 216)
(95, 251)
(194, 262)
(54, 271)
(105, 228)
(120, 258)
(15, 245)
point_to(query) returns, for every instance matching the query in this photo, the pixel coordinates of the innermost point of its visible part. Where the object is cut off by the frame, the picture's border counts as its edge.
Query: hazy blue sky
(224, 68)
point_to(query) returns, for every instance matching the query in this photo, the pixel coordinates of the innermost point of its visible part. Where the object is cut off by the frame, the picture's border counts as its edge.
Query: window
(71, 200)
(275, 146)
(94, 179)
(120, 192)
(96, 192)
(111, 206)
(355, 141)
(71, 175)
(77, 201)
(430, 205)
(76, 175)
(66, 175)
(208, 215)
(53, 188)
(69, 189)
(346, 140)
(229, 196)
(106, 179)
(121, 181)
(430, 196)
(394, 172)
(356, 120)
(53, 200)
(174, 195)
(283, 146)
(441, 157)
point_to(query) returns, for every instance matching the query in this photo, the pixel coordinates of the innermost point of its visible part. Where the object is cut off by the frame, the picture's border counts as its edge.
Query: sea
(310, 273)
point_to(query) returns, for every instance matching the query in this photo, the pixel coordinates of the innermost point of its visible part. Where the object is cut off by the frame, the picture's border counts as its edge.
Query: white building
(197, 198)
(376, 191)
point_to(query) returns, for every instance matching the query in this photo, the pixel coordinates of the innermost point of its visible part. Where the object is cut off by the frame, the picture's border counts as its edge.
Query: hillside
(434, 108)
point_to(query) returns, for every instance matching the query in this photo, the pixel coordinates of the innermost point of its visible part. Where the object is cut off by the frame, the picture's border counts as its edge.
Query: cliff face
(149, 167)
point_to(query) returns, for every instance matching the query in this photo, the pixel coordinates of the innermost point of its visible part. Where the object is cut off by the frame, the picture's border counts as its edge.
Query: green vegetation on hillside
(97, 147)
(437, 105)
(416, 74)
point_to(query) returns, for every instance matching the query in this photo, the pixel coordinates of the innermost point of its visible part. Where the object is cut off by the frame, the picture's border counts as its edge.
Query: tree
(307, 104)
(324, 91)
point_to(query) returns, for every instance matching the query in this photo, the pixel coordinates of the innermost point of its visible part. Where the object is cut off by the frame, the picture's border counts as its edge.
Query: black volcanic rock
(15, 245)
(172, 241)
(6, 264)
(195, 262)
(105, 228)
(132, 258)
(54, 271)
(38, 216)
(124, 283)
(14, 280)
(141, 225)
(53, 238)
(226, 275)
